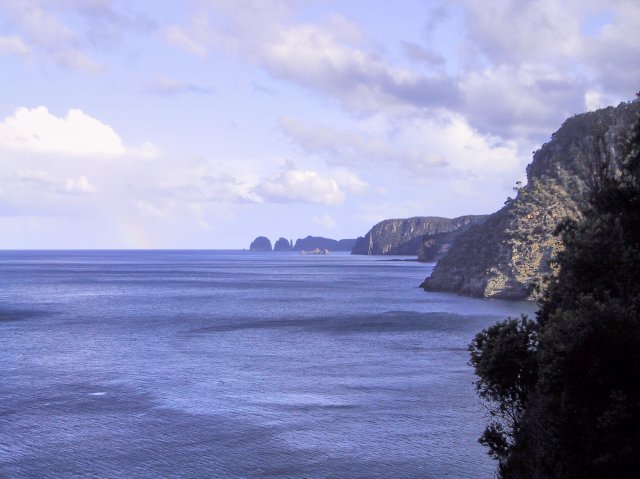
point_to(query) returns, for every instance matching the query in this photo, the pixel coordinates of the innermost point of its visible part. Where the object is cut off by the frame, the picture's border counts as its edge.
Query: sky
(205, 123)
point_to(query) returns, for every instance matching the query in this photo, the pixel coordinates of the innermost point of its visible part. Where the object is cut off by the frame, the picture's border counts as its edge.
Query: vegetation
(508, 255)
(563, 390)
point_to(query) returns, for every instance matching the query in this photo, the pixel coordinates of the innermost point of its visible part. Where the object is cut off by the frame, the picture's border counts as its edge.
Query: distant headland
(308, 244)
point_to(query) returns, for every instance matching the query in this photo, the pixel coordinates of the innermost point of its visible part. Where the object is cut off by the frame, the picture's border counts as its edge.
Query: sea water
(230, 364)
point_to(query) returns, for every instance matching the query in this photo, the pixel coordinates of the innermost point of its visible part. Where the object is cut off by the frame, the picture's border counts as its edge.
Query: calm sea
(229, 364)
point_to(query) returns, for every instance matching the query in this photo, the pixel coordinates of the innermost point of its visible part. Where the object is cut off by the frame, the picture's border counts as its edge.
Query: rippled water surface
(231, 364)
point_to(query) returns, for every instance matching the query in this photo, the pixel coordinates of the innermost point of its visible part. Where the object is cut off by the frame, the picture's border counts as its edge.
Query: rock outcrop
(408, 236)
(261, 243)
(434, 246)
(508, 254)
(283, 244)
(311, 243)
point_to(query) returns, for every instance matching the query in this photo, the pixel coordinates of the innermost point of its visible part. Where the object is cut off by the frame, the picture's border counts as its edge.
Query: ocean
(230, 364)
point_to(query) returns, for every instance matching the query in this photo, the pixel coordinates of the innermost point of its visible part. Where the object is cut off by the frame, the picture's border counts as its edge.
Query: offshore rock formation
(261, 243)
(283, 244)
(311, 243)
(508, 254)
(426, 236)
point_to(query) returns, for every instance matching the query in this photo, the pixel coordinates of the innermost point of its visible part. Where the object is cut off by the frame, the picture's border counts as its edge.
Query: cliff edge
(408, 236)
(508, 254)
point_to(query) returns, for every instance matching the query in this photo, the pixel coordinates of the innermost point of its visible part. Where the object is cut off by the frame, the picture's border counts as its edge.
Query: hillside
(312, 242)
(408, 236)
(508, 254)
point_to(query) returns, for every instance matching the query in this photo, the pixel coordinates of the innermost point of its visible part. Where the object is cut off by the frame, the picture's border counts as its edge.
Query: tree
(504, 359)
(565, 389)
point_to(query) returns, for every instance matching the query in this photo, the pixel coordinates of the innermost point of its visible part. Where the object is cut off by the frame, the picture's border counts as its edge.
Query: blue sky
(205, 123)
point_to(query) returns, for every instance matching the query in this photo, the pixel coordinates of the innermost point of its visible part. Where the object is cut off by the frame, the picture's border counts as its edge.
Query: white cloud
(36, 130)
(423, 148)
(350, 181)
(204, 184)
(80, 185)
(306, 186)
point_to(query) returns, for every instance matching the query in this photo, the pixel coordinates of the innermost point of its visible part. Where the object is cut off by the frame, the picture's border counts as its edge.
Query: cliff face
(433, 247)
(508, 254)
(407, 236)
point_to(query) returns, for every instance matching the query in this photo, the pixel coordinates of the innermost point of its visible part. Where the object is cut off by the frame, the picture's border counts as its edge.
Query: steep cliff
(508, 254)
(407, 236)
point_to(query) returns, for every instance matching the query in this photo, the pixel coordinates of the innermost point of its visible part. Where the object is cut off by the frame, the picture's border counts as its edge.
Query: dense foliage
(564, 390)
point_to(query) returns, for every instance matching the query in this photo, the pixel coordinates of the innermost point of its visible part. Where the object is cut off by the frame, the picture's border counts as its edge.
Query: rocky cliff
(408, 236)
(508, 254)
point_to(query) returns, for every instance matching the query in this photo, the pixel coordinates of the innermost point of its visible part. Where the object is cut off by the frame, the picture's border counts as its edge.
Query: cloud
(48, 35)
(512, 31)
(14, 44)
(518, 81)
(167, 86)
(350, 181)
(543, 62)
(524, 102)
(306, 186)
(196, 187)
(330, 57)
(350, 147)
(205, 184)
(614, 53)
(421, 148)
(41, 181)
(36, 130)
(65, 31)
(80, 185)
(426, 164)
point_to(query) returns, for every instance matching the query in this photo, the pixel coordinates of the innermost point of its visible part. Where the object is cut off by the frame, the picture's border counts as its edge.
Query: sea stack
(261, 243)
(283, 244)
